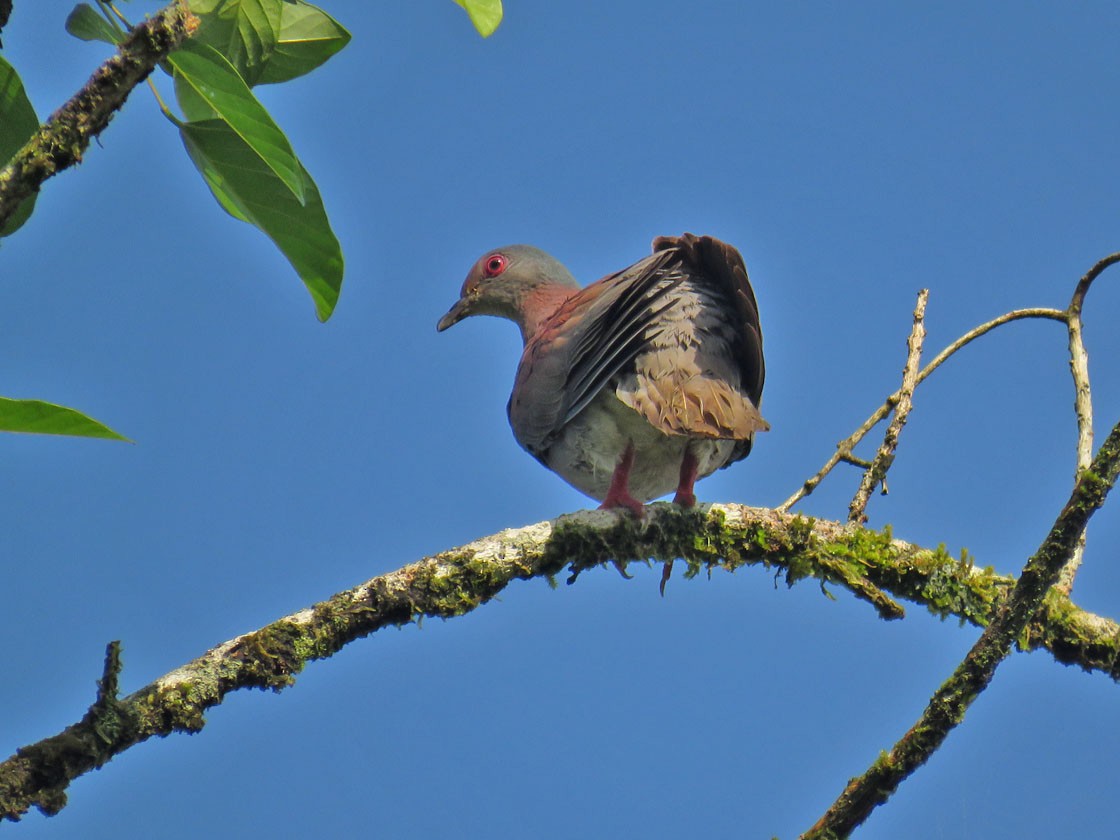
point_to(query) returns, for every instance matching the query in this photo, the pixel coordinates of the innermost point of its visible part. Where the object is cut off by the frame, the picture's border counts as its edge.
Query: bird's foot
(686, 499)
(618, 494)
(623, 500)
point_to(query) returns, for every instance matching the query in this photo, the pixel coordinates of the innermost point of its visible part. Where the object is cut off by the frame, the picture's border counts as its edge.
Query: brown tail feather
(696, 405)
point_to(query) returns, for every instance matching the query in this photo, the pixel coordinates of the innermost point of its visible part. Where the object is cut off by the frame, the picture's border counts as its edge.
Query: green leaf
(308, 37)
(194, 107)
(85, 23)
(17, 123)
(485, 14)
(44, 418)
(216, 82)
(244, 31)
(251, 191)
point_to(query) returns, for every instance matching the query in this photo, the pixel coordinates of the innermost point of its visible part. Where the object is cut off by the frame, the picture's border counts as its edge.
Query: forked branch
(869, 564)
(1082, 395)
(844, 448)
(950, 702)
(1052, 566)
(1071, 316)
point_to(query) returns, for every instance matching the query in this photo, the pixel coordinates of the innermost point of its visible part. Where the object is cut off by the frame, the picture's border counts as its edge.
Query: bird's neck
(539, 304)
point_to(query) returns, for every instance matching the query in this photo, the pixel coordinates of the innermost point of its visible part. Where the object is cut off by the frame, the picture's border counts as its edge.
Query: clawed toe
(627, 502)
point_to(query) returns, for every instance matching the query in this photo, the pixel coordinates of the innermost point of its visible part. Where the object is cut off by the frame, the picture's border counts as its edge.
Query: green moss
(801, 530)
(865, 561)
(1063, 629)
(270, 657)
(174, 708)
(579, 547)
(462, 583)
(945, 585)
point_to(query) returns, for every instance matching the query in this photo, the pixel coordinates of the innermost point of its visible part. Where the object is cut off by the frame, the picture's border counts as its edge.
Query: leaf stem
(167, 112)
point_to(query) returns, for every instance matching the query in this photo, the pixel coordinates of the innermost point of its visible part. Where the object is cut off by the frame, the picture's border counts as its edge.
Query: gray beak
(455, 314)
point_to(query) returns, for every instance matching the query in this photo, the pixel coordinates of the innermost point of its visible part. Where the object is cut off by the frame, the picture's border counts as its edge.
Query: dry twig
(876, 472)
(1082, 399)
(1079, 370)
(844, 448)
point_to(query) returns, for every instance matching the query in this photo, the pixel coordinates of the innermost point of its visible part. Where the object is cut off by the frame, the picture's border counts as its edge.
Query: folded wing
(677, 337)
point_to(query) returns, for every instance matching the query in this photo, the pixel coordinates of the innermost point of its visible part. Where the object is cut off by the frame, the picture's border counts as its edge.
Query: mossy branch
(62, 140)
(868, 563)
(1009, 620)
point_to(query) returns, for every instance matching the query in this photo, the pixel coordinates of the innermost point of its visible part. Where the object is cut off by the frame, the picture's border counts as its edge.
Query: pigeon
(638, 384)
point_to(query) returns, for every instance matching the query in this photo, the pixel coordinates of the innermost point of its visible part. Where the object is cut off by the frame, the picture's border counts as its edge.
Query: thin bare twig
(950, 702)
(876, 473)
(1082, 399)
(60, 141)
(844, 448)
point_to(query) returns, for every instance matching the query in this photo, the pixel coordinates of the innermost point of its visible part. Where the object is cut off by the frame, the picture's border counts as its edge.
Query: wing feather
(677, 334)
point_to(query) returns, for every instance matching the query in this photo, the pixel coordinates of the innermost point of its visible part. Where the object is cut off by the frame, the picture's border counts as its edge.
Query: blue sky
(853, 154)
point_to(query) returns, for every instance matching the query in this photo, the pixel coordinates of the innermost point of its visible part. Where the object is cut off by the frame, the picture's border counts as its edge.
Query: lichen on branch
(871, 564)
(62, 140)
(1009, 621)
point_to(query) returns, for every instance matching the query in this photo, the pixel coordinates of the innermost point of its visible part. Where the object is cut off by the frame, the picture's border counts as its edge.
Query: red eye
(495, 265)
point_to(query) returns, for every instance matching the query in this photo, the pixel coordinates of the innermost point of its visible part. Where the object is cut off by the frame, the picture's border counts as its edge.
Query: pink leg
(618, 495)
(685, 497)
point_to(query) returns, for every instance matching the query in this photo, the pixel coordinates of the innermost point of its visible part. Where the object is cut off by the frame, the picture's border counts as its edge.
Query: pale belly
(588, 449)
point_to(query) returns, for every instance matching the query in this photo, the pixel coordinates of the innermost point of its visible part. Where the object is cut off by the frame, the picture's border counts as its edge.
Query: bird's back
(675, 338)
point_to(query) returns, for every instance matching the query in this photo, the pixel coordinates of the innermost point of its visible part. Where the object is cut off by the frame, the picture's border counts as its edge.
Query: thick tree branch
(950, 702)
(868, 563)
(60, 141)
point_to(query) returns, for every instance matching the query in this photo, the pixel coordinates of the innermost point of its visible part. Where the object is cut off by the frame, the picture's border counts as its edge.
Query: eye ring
(494, 265)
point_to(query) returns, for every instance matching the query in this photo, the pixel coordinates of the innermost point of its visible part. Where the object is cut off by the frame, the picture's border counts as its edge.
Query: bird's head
(518, 282)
